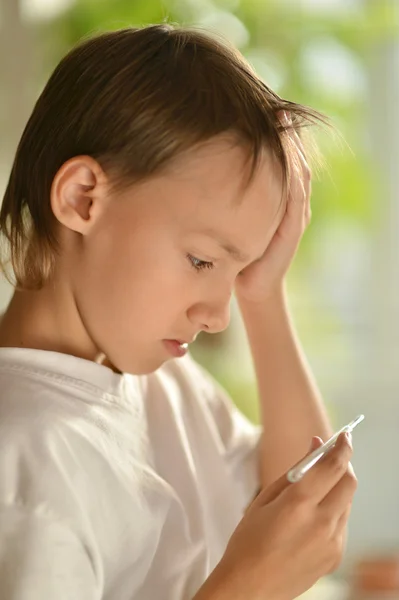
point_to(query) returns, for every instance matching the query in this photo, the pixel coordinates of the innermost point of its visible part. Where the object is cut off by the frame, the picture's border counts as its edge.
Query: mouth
(176, 348)
(182, 343)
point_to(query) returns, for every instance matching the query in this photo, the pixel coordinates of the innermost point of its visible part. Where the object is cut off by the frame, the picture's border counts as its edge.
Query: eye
(199, 265)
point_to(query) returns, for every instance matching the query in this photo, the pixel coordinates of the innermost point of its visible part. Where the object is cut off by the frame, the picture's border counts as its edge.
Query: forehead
(206, 192)
(224, 164)
(213, 194)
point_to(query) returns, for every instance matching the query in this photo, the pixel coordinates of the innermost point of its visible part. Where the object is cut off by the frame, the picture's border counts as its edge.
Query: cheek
(129, 291)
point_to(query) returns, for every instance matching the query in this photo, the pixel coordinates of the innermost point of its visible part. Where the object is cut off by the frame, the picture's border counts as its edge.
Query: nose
(212, 317)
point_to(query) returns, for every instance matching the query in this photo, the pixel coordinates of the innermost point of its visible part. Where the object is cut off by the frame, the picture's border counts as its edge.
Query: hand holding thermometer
(297, 472)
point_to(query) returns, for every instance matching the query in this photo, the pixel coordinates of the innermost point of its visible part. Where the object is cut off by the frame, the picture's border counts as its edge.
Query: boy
(155, 176)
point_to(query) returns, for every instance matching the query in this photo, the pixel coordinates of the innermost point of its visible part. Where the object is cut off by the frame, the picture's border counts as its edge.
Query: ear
(78, 193)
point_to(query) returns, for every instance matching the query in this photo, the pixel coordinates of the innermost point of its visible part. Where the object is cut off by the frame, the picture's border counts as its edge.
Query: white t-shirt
(116, 487)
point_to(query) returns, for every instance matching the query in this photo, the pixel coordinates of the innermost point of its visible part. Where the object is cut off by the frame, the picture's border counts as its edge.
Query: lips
(182, 343)
(176, 348)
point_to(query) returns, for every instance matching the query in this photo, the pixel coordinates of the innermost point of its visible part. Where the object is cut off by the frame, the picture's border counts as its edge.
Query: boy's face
(151, 268)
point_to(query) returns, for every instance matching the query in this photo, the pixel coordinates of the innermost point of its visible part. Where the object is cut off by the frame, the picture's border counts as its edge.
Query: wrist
(216, 586)
(226, 583)
(276, 296)
(274, 308)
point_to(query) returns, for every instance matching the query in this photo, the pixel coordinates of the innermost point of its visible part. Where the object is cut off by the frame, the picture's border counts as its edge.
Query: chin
(140, 367)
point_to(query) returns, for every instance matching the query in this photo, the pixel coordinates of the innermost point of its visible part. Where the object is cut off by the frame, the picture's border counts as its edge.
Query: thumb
(316, 443)
(275, 489)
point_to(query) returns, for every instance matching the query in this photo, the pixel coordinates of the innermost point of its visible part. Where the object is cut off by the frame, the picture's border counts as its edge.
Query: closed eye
(198, 264)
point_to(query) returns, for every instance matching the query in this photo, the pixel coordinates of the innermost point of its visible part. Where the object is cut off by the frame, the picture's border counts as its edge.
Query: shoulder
(49, 436)
(35, 410)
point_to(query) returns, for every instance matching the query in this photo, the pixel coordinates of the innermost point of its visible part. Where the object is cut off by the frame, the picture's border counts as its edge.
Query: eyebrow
(229, 248)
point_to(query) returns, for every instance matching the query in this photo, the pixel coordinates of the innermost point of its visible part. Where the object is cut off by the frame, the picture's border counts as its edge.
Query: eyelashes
(199, 265)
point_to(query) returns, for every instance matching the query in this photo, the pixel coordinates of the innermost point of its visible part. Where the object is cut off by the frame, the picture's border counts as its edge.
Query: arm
(291, 409)
(290, 405)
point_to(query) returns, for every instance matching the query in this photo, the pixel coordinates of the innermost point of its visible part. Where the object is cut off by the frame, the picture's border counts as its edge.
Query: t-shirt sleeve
(238, 438)
(41, 558)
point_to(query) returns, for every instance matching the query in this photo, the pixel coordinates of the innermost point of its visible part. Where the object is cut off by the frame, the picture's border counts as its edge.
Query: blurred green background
(315, 53)
(309, 53)
(342, 58)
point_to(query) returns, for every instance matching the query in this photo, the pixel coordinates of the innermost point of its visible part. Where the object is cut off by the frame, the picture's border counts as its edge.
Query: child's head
(146, 151)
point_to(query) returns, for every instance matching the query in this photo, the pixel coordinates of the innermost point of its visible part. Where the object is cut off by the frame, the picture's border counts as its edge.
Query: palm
(259, 279)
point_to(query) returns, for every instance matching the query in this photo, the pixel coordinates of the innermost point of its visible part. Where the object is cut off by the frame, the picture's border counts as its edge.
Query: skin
(290, 536)
(120, 253)
(123, 280)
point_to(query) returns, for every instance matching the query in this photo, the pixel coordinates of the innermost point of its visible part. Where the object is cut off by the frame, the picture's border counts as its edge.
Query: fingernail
(287, 118)
(281, 116)
(284, 118)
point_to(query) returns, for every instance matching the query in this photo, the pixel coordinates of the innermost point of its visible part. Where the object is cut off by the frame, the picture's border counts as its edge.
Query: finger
(270, 493)
(292, 133)
(299, 197)
(341, 496)
(286, 120)
(301, 179)
(316, 443)
(340, 536)
(299, 182)
(301, 168)
(301, 148)
(298, 158)
(324, 475)
(340, 533)
(343, 520)
(299, 185)
(288, 132)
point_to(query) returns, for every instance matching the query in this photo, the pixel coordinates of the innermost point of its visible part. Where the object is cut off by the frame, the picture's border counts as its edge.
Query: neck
(46, 319)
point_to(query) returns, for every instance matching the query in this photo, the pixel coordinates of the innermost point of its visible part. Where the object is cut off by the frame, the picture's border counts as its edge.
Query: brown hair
(132, 99)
